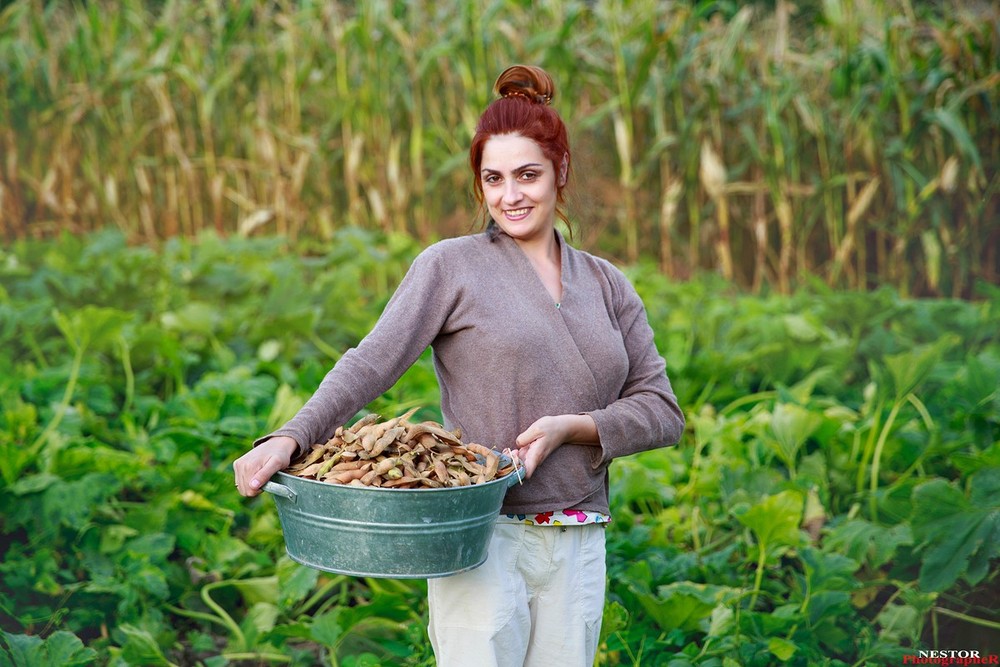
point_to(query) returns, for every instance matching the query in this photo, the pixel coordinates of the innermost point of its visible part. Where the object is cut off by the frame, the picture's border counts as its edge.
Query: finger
(246, 477)
(237, 476)
(266, 471)
(530, 464)
(528, 436)
(243, 486)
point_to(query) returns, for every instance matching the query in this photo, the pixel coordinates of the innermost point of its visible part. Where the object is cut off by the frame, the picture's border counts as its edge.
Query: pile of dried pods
(398, 454)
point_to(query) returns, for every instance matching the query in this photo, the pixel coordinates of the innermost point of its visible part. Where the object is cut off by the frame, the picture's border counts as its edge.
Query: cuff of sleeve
(608, 435)
(298, 441)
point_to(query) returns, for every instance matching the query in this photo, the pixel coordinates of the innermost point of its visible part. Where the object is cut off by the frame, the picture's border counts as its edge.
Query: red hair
(523, 108)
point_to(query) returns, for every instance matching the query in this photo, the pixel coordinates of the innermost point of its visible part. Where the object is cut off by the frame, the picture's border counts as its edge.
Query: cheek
(542, 193)
(492, 197)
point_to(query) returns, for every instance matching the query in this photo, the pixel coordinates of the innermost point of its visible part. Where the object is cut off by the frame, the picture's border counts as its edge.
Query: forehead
(509, 151)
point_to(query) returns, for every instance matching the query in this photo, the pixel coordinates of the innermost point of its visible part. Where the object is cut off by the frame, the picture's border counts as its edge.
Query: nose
(511, 192)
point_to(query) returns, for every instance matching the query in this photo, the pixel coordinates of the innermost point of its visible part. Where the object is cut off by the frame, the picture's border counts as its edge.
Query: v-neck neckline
(561, 242)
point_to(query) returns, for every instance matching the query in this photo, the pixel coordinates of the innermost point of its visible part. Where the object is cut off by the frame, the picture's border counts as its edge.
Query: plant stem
(129, 375)
(968, 619)
(74, 375)
(759, 575)
(869, 446)
(876, 460)
(227, 620)
(197, 615)
(250, 655)
(319, 594)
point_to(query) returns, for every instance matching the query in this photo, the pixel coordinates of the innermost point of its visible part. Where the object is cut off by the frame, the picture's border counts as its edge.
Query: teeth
(516, 212)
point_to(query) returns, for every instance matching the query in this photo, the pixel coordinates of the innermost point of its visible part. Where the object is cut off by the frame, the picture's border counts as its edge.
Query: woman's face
(519, 186)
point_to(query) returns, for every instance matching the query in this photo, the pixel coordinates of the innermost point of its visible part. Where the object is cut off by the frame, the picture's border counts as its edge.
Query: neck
(542, 249)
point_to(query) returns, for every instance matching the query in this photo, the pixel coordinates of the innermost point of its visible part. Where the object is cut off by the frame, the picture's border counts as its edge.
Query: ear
(564, 170)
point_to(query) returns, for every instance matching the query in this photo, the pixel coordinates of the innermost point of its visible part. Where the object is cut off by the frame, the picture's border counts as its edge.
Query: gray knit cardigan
(505, 354)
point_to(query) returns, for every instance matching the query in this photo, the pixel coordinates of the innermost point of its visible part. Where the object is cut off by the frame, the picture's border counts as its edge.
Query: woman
(537, 346)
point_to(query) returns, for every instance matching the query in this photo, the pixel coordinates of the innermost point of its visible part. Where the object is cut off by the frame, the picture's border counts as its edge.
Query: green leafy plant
(122, 540)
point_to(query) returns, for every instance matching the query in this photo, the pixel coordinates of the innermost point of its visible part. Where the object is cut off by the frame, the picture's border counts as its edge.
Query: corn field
(853, 142)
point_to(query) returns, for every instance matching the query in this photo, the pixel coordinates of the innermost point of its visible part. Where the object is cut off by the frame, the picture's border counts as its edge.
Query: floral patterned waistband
(557, 518)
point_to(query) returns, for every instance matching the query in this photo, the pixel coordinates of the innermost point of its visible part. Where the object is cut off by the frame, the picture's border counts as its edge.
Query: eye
(491, 179)
(529, 175)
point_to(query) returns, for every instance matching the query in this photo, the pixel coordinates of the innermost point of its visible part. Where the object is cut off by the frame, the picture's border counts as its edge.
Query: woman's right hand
(255, 467)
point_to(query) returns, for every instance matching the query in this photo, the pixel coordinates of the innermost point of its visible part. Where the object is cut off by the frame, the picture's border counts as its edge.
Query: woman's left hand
(547, 433)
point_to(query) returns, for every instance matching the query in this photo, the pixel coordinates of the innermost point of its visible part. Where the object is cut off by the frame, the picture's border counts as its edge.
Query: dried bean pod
(364, 421)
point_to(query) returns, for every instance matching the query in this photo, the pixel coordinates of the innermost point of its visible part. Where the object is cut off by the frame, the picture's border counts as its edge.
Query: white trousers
(537, 601)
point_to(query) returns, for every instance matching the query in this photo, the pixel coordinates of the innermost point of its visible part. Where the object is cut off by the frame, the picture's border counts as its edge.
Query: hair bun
(532, 83)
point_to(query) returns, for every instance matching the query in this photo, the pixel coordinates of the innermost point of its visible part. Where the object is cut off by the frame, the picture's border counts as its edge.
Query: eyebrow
(518, 170)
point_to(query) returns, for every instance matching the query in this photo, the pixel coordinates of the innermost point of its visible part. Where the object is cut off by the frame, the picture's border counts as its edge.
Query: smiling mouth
(517, 212)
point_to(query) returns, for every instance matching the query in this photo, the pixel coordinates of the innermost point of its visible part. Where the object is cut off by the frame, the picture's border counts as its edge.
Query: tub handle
(280, 490)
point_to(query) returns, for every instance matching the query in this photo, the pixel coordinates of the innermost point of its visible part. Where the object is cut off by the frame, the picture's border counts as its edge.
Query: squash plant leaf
(258, 589)
(295, 582)
(791, 425)
(60, 648)
(684, 605)
(326, 629)
(91, 326)
(908, 369)
(140, 647)
(782, 649)
(825, 586)
(957, 535)
(775, 520)
(867, 542)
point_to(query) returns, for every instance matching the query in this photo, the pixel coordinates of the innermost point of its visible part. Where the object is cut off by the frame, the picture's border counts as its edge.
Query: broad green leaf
(956, 535)
(801, 328)
(900, 622)
(269, 350)
(67, 650)
(721, 622)
(864, 541)
(33, 483)
(909, 369)
(803, 390)
(985, 493)
(91, 326)
(262, 617)
(326, 629)
(154, 545)
(259, 589)
(791, 425)
(683, 605)
(828, 571)
(72, 503)
(193, 317)
(286, 404)
(113, 537)
(140, 647)
(24, 650)
(615, 618)
(775, 520)
(150, 579)
(14, 459)
(295, 582)
(782, 649)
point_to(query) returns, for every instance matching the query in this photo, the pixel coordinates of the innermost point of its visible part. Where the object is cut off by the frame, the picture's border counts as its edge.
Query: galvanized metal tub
(393, 533)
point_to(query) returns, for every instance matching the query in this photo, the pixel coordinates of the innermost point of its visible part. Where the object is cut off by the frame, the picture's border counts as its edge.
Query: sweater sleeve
(646, 414)
(412, 319)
